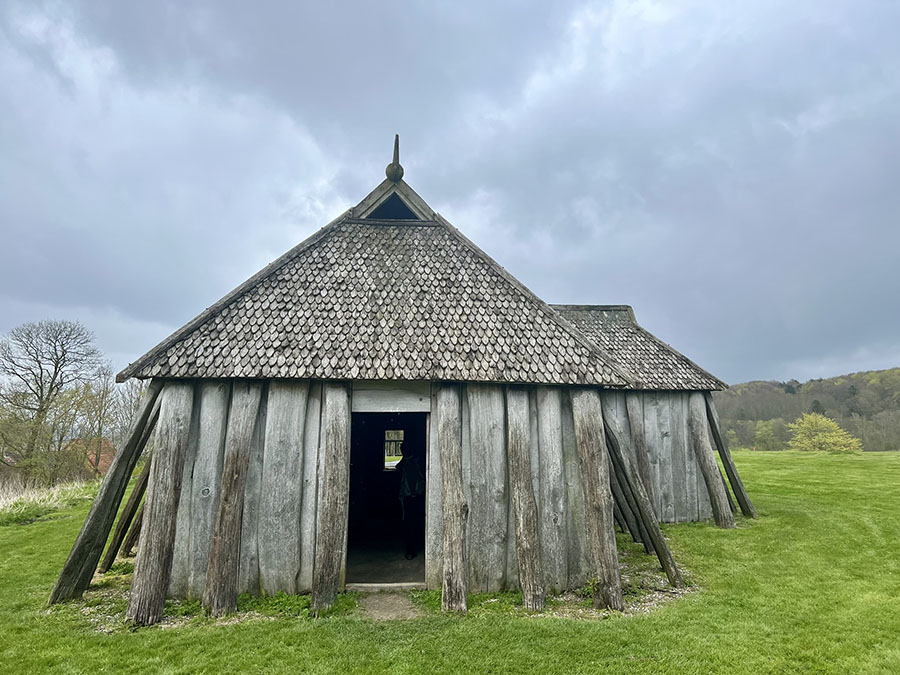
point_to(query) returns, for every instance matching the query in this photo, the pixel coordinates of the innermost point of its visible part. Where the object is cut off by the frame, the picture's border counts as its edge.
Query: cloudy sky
(730, 169)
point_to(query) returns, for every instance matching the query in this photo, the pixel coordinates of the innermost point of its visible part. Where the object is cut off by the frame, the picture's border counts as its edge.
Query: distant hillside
(867, 404)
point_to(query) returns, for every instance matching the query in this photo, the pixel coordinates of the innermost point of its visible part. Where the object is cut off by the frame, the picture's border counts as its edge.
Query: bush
(813, 432)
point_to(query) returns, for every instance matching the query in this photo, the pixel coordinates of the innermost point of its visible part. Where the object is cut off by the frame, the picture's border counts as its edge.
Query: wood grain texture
(528, 549)
(635, 412)
(248, 566)
(131, 539)
(214, 400)
(623, 510)
(664, 432)
(281, 486)
(712, 477)
(455, 510)
(691, 469)
(180, 572)
(331, 535)
(683, 494)
(629, 480)
(79, 567)
(737, 484)
(128, 513)
(391, 396)
(309, 504)
(552, 520)
(578, 561)
(488, 496)
(220, 594)
(592, 453)
(154, 560)
(653, 443)
(434, 531)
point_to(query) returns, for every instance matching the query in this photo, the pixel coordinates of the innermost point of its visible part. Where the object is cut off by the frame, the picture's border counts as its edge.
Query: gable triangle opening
(393, 208)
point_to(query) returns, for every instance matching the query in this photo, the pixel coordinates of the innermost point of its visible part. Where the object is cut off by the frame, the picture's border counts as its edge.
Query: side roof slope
(652, 362)
(409, 299)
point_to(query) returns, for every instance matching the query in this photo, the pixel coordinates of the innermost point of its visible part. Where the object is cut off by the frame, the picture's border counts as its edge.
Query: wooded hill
(866, 404)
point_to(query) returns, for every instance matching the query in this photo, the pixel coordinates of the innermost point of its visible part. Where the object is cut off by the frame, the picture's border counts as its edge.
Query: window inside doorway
(393, 448)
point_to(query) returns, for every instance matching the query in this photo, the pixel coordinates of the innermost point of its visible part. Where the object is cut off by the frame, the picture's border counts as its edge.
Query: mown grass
(812, 586)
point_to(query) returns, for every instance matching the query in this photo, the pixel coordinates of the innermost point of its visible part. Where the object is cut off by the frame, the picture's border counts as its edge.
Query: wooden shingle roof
(383, 299)
(652, 362)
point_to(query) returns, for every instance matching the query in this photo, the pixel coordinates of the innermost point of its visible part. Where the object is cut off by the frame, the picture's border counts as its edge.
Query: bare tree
(39, 362)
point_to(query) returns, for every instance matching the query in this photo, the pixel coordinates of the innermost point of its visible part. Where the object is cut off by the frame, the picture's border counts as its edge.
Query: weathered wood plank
(624, 508)
(179, 576)
(635, 413)
(683, 492)
(331, 536)
(391, 396)
(434, 533)
(281, 486)
(308, 507)
(215, 397)
(128, 514)
(154, 559)
(708, 467)
(578, 564)
(455, 509)
(737, 484)
(592, 452)
(476, 583)
(220, 594)
(528, 549)
(248, 565)
(630, 481)
(487, 522)
(666, 479)
(79, 567)
(131, 540)
(553, 488)
(653, 443)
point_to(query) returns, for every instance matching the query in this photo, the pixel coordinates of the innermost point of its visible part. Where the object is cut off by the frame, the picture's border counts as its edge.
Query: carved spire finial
(394, 171)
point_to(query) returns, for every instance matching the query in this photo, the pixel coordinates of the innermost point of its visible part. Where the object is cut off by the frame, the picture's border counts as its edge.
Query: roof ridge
(131, 369)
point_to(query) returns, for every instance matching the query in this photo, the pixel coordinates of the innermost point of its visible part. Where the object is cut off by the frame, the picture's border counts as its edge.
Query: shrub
(813, 432)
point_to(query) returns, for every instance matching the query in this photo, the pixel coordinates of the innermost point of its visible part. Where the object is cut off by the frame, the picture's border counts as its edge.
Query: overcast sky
(730, 169)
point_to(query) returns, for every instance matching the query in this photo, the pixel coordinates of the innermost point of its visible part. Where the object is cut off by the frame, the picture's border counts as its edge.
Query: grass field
(812, 586)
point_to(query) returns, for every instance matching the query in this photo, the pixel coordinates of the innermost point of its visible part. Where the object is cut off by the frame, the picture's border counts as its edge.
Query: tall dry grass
(20, 503)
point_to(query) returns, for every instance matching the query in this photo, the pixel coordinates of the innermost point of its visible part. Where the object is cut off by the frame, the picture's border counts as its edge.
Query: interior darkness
(378, 535)
(393, 208)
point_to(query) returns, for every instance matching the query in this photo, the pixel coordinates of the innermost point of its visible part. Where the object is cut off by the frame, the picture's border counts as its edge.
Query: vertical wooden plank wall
(454, 508)
(281, 487)
(484, 444)
(434, 531)
(248, 575)
(676, 486)
(552, 492)
(206, 480)
(154, 560)
(331, 530)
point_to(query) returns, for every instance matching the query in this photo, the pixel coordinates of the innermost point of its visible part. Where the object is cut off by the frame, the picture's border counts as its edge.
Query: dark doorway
(386, 535)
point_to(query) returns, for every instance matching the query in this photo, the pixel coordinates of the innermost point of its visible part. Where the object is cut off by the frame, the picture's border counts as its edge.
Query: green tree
(816, 433)
(765, 436)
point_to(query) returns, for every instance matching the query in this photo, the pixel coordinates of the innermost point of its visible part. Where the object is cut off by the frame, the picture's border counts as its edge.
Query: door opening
(386, 535)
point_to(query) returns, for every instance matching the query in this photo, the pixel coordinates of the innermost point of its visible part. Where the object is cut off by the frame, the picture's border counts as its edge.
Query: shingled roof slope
(652, 362)
(368, 299)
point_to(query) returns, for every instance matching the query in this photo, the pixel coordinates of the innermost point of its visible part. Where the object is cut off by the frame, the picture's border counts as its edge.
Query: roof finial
(394, 171)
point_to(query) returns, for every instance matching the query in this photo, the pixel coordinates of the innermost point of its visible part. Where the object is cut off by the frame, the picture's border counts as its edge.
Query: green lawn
(812, 586)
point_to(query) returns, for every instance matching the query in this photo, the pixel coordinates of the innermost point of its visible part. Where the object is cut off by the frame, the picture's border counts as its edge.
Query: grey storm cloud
(727, 168)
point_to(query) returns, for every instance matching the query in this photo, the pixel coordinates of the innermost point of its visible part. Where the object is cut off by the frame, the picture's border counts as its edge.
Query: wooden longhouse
(538, 428)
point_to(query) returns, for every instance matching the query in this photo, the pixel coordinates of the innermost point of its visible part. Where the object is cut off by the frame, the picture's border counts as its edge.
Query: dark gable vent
(393, 208)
